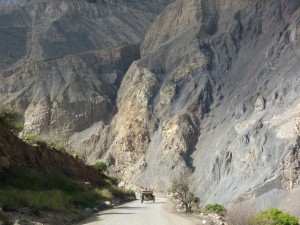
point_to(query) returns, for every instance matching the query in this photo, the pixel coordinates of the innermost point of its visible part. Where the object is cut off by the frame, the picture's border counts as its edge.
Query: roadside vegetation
(235, 215)
(183, 193)
(44, 189)
(26, 187)
(101, 166)
(11, 119)
(242, 215)
(34, 138)
(239, 215)
(215, 208)
(273, 216)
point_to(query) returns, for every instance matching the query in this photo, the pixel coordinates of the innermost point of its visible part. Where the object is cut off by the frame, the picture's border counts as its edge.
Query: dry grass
(239, 215)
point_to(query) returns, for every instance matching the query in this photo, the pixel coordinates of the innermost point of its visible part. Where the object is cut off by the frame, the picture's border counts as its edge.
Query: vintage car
(147, 195)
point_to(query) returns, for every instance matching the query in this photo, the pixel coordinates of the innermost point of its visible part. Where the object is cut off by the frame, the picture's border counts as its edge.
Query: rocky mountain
(214, 93)
(62, 62)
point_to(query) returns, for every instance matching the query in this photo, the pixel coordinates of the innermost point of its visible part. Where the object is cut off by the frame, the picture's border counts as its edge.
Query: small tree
(11, 119)
(101, 166)
(180, 186)
(215, 208)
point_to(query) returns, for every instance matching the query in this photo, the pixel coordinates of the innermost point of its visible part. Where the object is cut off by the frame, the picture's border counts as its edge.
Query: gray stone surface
(62, 62)
(217, 93)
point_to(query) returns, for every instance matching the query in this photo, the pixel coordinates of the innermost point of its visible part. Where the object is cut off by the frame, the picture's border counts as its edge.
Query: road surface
(137, 213)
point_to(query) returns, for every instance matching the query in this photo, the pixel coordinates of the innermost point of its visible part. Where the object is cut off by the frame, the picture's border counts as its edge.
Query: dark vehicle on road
(147, 195)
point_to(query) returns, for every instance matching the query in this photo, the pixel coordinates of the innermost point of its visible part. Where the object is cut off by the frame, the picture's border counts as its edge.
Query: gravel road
(137, 213)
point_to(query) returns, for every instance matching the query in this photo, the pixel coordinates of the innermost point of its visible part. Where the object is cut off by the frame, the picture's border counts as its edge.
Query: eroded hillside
(216, 91)
(62, 62)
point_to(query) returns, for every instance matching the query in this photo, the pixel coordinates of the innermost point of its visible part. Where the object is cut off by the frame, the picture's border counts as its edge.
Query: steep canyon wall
(215, 92)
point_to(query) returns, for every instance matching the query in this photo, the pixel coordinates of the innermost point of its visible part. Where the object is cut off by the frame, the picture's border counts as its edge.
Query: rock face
(65, 95)
(47, 29)
(215, 92)
(62, 62)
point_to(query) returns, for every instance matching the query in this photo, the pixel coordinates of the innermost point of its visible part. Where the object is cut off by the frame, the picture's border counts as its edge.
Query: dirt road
(147, 213)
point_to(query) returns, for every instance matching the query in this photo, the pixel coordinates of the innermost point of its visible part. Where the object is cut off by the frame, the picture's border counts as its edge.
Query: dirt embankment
(15, 152)
(18, 155)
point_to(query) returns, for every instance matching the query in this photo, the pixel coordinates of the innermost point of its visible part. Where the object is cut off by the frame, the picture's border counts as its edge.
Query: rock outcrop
(216, 91)
(62, 62)
(67, 95)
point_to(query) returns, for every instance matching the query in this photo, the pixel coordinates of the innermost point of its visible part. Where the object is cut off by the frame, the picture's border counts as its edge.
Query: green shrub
(108, 181)
(215, 208)
(31, 179)
(274, 216)
(110, 192)
(112, 180)
(25, 187)
(121, 192)
(101, 166)
(34, 138)
(52, 190)
(58, 145)
(58, 200)
(104, 194)
(75, 155)
(196, 209)
(47, 199)
(11, 119)
(84, 198)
